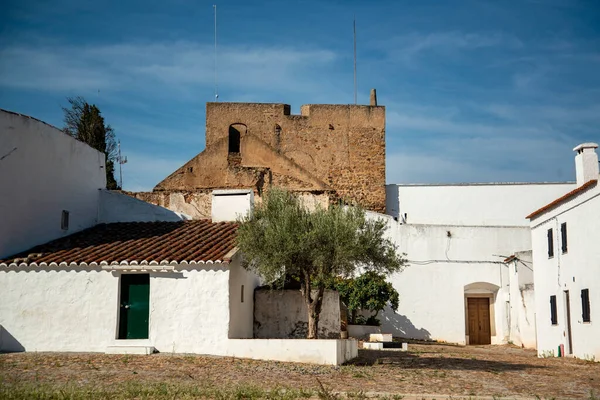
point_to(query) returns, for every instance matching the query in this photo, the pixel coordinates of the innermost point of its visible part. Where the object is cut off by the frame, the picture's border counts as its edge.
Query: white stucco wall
(521, 301)
(575, 270)
(118, 207)
(281, 314)
(77, 310)
(43, 172)
(446, 265)
(58, 310)
(494, 204)
(241, 313)
(457, 237)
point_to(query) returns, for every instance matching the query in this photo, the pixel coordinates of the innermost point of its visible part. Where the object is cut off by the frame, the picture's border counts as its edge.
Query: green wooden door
(135, 306)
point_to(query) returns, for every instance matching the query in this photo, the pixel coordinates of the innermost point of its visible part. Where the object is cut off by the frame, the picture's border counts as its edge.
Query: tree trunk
(313, 306)
(314, 311)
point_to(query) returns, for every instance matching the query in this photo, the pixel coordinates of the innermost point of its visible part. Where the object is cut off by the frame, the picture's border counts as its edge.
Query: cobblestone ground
(501, 371)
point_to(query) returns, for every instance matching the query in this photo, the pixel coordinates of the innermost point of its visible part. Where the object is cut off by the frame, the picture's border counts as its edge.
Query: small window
(242, 293)
(277, 131)
(64, 220)
(234, 140)
(563, 237)
(550, 244)
(585, 305)
(553, 313)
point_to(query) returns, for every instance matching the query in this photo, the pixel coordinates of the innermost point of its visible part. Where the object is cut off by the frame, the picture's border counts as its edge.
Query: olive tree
(280, 237)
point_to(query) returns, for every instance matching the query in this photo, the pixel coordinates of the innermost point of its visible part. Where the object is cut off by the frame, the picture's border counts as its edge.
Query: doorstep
(132, 346)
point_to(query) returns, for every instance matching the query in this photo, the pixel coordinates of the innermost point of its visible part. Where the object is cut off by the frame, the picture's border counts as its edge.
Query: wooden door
(135, 306)
(478, 310)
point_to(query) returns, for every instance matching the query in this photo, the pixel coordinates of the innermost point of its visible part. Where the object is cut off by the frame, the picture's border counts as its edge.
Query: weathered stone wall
(197, 204)
(282, 314)
(337, 148)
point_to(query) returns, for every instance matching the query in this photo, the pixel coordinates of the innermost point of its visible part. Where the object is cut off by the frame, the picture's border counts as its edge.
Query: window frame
(563, 238)
(585, 306)
(550, 237)
(553, 311)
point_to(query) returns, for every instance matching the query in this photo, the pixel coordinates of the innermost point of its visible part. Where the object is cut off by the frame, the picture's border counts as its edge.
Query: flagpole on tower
(355, 95)
(216, 76)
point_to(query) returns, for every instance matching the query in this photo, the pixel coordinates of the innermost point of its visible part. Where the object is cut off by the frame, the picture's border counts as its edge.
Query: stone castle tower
(327, 152)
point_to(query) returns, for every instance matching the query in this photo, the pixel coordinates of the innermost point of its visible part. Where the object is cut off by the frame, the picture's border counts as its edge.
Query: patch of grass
(157, 391)
(325, 393)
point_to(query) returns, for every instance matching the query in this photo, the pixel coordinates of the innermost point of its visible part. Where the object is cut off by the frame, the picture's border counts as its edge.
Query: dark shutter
(550, 243)
(553, 314)
(563, 236)
(585, 305)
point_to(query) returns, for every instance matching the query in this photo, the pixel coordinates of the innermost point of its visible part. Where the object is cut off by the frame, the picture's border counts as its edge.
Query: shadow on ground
(411, 360)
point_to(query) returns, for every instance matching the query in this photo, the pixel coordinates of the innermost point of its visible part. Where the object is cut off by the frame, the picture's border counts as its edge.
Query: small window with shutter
(585, 305)
(550, 244)
(563, 237)
(553, 313)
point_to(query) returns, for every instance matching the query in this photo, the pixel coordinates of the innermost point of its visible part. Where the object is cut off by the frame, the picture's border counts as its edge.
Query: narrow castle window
(277, 136)
(234, 140)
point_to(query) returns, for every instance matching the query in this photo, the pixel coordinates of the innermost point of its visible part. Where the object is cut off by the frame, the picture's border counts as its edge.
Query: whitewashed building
(54, 185)
(565, 236)
(86, 269)
(50, 183)
(469, 277)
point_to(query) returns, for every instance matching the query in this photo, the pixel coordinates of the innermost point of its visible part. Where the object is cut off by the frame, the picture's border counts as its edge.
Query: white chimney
(586, 163)
(229, 205)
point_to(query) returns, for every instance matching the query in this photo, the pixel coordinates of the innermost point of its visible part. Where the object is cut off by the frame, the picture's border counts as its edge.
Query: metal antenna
(216, 76)
(121, 160)
(355, 60)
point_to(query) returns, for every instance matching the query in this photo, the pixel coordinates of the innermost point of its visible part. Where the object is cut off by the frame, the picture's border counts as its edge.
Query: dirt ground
(501, 371)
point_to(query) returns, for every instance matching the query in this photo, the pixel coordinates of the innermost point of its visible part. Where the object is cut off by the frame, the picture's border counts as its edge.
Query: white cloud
(408, 47)
(172, 66)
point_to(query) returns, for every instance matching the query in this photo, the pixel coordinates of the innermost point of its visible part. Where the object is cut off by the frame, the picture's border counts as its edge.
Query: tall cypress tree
(84, 122)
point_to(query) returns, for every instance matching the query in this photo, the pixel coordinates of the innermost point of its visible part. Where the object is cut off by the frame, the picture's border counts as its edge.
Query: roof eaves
(563, 198)
(123, 265)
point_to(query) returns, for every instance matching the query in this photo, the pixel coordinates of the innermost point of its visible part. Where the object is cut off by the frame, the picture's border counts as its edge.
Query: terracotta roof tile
(561, 199)
(137, 242)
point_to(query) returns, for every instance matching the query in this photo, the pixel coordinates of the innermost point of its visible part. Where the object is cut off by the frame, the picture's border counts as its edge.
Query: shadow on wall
(399, 325)
(8, 343)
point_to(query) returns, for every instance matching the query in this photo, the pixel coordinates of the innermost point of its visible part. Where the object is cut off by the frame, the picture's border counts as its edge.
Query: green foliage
(84, 122)
(369, 291)
(281, 237)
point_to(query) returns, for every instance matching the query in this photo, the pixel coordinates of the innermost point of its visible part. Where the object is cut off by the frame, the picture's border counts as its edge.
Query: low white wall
(312, 351)
(362, 331)
(43, 171)
(118, 207)
(282, 314)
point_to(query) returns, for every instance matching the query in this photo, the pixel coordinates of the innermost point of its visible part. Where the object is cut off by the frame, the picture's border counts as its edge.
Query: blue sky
(476, 91)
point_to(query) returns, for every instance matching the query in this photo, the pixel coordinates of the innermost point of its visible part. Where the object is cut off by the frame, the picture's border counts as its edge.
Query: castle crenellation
(334, 149)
